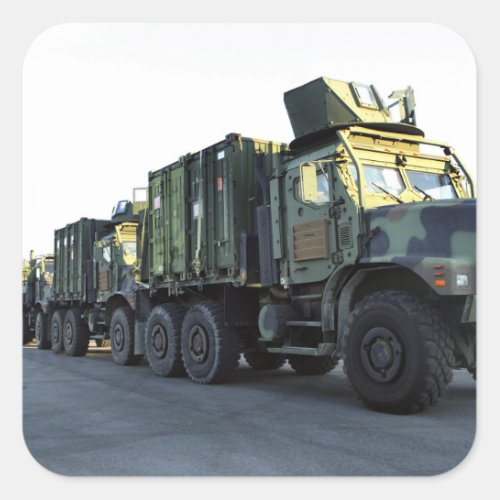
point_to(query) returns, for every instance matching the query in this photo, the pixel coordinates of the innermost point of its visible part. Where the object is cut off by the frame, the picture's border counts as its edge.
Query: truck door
(308, 226)
(102, 253)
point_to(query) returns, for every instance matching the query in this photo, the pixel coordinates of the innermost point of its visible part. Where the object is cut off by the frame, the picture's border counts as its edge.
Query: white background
(106, 103)
(22, 21)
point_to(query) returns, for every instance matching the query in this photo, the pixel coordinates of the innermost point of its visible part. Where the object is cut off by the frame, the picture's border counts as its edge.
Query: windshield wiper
(427, 196)
(399, 200)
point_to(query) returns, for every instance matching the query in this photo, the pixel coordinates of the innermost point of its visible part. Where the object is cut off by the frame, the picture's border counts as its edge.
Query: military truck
(354, 242)
(95, 271)
(37, 286)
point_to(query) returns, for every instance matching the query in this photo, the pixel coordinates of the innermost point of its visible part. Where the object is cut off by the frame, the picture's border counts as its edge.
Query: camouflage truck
(37, 286)
(354, 242)
(95, 275)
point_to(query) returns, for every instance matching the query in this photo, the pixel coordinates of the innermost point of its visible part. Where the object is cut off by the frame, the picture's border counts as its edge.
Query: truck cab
(115, 257)
(368, 215)
(38, 274)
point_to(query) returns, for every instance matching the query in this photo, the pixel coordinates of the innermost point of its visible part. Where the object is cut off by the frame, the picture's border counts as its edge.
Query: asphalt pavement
(90, 417)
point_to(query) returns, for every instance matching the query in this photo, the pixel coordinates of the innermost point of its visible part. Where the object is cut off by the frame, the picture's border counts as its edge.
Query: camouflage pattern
(436, 240)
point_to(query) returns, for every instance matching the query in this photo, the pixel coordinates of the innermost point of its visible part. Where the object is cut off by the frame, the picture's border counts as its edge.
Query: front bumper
(469, 312)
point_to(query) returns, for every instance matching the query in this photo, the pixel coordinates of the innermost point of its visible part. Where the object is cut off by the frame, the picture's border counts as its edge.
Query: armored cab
(381, 227)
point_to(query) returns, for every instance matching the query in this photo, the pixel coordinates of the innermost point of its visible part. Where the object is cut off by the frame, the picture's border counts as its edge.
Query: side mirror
(308, 182)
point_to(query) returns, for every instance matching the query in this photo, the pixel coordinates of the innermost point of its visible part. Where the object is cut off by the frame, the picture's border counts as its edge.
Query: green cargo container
(73, 248)
(203, 212)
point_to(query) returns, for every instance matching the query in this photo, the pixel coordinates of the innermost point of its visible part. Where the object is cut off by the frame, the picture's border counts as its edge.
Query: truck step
(322, 350)
(316, 296)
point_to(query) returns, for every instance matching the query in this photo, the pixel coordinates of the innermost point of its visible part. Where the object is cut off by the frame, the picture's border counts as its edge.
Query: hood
(424, 237)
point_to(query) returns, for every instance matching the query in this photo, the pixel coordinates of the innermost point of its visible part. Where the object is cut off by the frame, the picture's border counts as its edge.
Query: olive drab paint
(200, 206)
(95, 273)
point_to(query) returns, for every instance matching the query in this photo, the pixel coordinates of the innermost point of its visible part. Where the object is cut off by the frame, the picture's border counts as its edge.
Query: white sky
(104, 104)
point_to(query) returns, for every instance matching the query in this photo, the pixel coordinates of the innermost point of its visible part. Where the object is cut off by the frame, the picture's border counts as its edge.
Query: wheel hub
(118, 337)
(198, 344)
(381, 354)
(55, 333)
(69, 333)
(159, 341)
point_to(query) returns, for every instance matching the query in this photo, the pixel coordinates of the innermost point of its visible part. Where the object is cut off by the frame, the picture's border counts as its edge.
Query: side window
(313, 185)
(106, 252)
(323, 188)
(129, 252)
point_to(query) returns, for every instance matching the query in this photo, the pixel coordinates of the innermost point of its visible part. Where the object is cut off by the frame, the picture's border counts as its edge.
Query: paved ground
(89, 416)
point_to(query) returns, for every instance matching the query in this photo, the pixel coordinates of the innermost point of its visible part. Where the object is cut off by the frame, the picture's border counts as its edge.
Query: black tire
(76, 334)
(28, 334)
(312, 365)
(41, 331)
(210, 351)
(57, 330)
(163, 340)
(122, 337)
(264, 360)
(398, 352)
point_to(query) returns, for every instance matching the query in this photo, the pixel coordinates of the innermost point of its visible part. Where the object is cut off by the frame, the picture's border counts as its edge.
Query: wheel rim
(381, 354)
(198, 344)
(55, 333)
(68, 333)
(159, 341)
(118, 337)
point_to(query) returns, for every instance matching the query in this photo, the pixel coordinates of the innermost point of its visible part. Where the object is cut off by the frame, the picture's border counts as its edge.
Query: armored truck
(37, 287)
(356, 241)
(95, 271)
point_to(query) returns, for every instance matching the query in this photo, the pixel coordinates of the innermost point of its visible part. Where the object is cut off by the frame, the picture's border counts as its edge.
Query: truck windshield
(438, 186)
(379, 179)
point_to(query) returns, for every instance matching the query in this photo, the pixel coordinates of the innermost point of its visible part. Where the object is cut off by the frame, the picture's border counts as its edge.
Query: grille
(345, 236)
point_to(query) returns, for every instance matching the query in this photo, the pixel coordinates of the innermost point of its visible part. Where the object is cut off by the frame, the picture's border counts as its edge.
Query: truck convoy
(356, 241)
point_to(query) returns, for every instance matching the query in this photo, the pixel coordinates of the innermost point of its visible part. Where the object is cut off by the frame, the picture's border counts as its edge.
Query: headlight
(462, 280)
